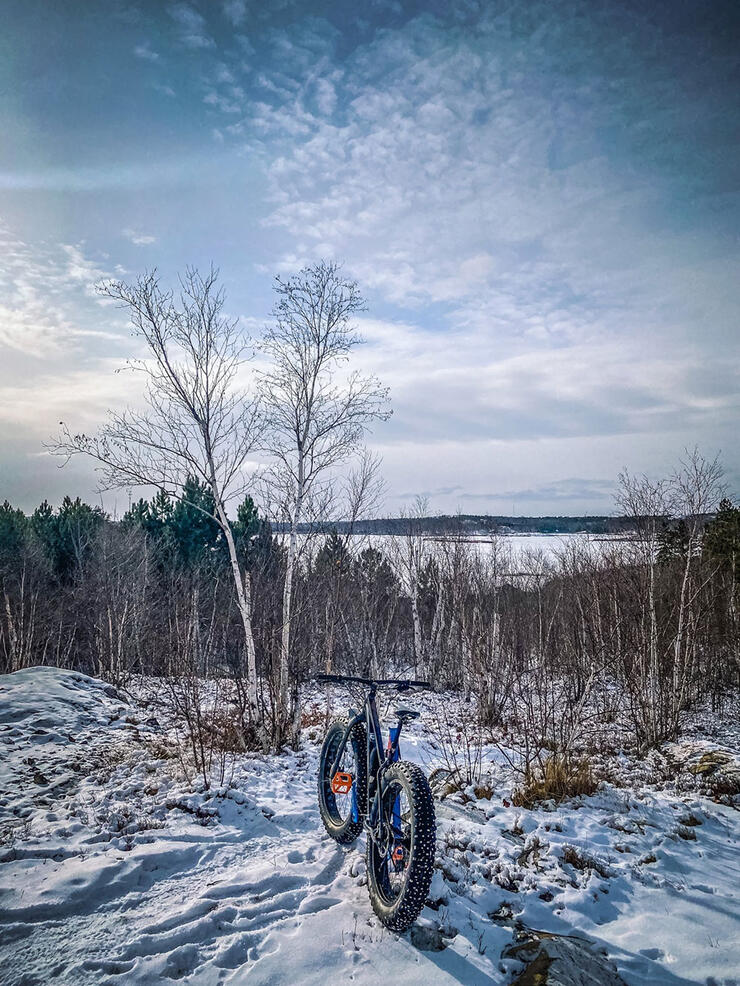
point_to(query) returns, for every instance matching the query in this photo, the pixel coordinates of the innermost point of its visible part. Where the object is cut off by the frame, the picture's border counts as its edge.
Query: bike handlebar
(401, 684)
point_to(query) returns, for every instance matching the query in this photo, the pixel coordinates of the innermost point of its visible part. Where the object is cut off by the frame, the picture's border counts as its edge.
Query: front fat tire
(401, 914)
(343, 831)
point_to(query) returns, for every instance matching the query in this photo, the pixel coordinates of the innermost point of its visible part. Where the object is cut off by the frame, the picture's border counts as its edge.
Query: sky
(539, 200)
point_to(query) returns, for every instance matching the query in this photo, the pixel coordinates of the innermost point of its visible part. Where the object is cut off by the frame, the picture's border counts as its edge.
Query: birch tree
(196, 420)
(698, 489)
(648, 503)
(317, 412)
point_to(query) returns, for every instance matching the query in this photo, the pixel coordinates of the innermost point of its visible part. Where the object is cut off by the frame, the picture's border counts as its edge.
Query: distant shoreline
(472, 525)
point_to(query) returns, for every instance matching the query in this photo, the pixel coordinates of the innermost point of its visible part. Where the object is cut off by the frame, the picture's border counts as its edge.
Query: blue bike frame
(378, 758)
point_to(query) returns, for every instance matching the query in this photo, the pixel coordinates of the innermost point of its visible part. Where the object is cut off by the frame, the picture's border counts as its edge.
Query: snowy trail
(247, 900)
(115, 870)
(259, 893)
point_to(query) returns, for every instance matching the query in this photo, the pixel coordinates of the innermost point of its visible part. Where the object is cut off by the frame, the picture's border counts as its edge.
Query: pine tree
(722, 537)
(194, 531)
(333, 557)
(13, 530)
(67, 535)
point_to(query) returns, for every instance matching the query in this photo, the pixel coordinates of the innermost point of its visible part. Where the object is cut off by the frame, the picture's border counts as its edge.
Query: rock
(427, 938)
(710, 762)
(503, 913)
(690, 819)
(561, 960)
(718, 769)
(112, 692)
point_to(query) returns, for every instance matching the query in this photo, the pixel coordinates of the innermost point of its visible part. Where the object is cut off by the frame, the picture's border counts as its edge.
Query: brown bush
(313, 716)
(558, 778)
(225, 731)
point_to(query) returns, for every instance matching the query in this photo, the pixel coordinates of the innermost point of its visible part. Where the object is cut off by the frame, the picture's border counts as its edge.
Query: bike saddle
(405, 714)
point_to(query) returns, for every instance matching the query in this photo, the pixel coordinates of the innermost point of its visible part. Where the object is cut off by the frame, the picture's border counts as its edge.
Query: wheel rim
(391, 854)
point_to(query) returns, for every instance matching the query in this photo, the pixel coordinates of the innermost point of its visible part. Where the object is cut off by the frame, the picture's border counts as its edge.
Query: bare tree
(196, 421)
(698, 489)
(647, 503)
(410, 556)
(666, 651)
(315, 421)
(361, 492)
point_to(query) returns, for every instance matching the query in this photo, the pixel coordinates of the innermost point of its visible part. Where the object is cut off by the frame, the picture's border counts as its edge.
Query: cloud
(145, 52)
(191, 24)
(235, 11)
(226, 104)
(79, 396)
(562, 490)
(81, 268)
(49, 305)
(176, 170)
(326, 96)
(473, 170)
(139, 239)
(430, 494)
(461, 385)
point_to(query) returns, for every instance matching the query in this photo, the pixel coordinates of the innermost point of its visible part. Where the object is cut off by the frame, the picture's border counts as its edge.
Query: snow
(526, 551)
(116, 868)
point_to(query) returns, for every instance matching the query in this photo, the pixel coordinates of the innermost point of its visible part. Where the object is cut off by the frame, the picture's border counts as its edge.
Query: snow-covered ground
(115, 869)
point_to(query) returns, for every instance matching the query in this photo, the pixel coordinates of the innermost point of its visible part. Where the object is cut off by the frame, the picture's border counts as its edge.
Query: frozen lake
(524, 551)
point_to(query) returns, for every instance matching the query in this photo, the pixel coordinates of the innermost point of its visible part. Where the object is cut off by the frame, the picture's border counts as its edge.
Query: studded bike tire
(400, 913)
(342, 829)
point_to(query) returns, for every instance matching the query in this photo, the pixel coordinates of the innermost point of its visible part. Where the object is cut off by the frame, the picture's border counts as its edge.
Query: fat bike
(366, 787)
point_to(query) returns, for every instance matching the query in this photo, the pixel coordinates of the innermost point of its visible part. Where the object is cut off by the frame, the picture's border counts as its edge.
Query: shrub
(559, 777)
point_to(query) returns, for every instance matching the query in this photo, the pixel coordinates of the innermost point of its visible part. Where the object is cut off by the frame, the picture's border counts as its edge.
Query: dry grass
(313, 716)
(581, 860)
(557, 779)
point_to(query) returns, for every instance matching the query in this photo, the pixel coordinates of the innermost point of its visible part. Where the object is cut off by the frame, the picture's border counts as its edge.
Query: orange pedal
(341, 782)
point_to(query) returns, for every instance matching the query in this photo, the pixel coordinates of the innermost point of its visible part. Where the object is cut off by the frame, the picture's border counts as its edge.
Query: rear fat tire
(344, 831)
(405, 909)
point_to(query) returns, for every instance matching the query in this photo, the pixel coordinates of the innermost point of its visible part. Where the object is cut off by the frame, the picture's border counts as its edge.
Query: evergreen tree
(246, 528)
(194, 532)
(673, 540)
(67, 535)
(333, 557)
(184, 530)
(374, 569)
(152, 516)
(13, 530)
(722, 537)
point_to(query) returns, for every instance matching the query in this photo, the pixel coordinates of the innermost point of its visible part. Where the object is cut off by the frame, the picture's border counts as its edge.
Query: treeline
(478, 524)
(647, 627)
